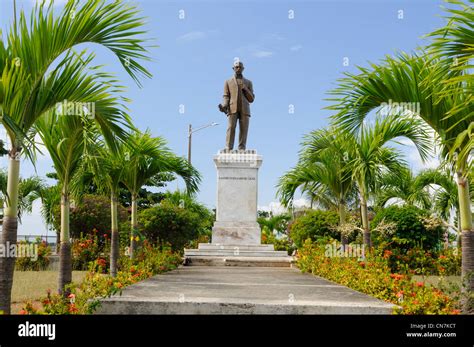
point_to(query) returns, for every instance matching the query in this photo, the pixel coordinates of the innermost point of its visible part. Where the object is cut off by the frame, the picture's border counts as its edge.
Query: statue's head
(238, 67)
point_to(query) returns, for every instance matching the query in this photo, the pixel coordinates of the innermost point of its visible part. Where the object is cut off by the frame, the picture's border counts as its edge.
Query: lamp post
(190, 135)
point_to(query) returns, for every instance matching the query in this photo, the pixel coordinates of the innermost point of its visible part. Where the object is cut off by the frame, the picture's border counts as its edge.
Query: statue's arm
(226, 97)
(249, 93)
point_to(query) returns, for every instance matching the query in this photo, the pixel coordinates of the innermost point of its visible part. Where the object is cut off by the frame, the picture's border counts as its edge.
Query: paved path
(240, 290)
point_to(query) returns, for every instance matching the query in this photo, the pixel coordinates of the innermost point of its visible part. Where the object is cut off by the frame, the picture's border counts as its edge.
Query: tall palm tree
(33, 80)
(369, 156)
(70, 140)
(109, 166)
(322, 171)
(146, 158)
(422, 80)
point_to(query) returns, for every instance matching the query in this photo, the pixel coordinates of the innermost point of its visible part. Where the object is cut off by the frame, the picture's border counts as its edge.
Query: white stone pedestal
(237, 194)
(236, 238)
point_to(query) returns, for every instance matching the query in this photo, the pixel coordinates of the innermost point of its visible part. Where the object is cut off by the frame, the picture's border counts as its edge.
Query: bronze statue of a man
(238, 94)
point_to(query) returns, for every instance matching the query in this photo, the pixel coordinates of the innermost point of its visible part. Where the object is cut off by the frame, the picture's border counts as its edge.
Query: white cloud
(295, 48)
(262, 53)
(277, 208)
(192, 36)
(272, 37)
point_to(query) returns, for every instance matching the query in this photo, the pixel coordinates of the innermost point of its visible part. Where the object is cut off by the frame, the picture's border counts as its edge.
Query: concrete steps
(209, 254)
(240, 290)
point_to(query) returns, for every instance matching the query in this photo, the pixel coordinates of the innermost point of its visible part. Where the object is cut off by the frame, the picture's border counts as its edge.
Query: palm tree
(322, 171)
(108, 166)
(369, 157)
(278, 223)
(446, 195)
(422, 80)
(403, 186)
(64, 139)
(33, 80)
(146, 158)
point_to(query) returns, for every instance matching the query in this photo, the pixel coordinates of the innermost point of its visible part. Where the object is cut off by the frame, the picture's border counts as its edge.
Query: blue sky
(291, 61)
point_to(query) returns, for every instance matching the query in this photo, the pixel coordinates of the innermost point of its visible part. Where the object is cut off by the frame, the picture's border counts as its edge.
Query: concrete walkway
(240, 290)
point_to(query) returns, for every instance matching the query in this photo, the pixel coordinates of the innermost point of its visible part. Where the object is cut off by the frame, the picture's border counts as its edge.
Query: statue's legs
(230, 135)
(244, 121)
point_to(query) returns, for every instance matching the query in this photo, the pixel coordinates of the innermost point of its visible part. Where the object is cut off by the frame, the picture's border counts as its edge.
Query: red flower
(362, 264)
(455, 311)
(387, 253)
(101, 262)
(396, 276)
(442, 257)
(400, 294)
(23, 312)
(420, 284)
(73, 308)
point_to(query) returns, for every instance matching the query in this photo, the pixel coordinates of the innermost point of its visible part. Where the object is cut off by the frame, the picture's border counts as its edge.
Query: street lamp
(190, 134)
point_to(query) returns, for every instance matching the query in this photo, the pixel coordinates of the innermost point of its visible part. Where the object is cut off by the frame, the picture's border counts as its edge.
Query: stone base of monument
(236, 236)
(209, 254)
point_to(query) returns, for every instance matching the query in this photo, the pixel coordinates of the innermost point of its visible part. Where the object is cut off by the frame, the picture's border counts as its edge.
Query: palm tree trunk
(114, 247)
(459, 236)
(467, 267)
(9, 231)
(342, 220)
(133, 232)
(65, 261)
(364, 211)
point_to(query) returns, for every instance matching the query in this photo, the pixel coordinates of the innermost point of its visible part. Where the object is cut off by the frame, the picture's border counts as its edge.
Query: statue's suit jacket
(231, 92)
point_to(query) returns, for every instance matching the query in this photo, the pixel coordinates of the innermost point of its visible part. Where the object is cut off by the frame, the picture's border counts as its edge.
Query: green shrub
(314, 225)
(33, 262)
(169, 224)
(412, 229)
(93, 212)
(281, 244)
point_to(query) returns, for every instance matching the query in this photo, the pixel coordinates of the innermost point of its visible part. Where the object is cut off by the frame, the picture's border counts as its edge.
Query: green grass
(436, 280)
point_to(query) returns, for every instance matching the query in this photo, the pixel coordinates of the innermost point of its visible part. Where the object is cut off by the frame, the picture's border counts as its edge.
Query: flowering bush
(84, 298)
(36, 262)
(88, 249)
(419, 262)
(373, 276)
(412, 228)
